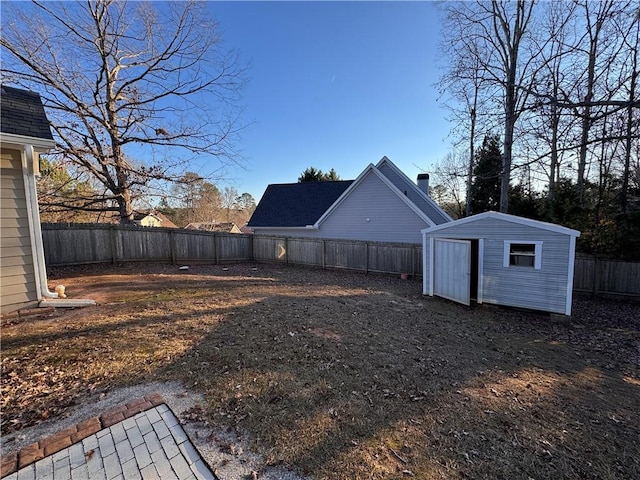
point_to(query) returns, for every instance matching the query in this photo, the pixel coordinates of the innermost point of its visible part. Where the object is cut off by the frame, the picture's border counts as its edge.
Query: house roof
(213, 226)
(507, 218)
(296, 204)
(418, 197)
(22, 113)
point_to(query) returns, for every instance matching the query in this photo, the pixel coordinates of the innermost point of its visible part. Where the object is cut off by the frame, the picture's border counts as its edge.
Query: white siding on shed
(525, 287)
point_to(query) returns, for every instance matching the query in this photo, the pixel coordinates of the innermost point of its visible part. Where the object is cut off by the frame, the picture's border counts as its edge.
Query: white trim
(507, 218)
(8, 139)
(424, 264)
(33, 218)
(537, 259)
(570, 272)
(372, 169)
(431, 265)
(413, 186)
(480, 269)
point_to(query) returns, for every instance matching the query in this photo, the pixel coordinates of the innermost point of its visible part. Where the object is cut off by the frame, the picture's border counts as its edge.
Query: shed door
(452, 270)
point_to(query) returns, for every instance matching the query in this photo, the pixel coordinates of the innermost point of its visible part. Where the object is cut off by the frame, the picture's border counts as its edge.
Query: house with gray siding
(501, 259)
(381, 205)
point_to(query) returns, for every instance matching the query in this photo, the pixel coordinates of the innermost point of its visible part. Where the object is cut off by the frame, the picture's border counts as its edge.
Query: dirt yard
(339, 375)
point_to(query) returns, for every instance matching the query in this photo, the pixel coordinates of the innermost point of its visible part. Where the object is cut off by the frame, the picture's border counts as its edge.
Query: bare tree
(630, 33)
(548, 125)
(462, 87)
(229, 201)
(449, 184)
(133, 90)
(509, 29)
(595, 23)
(499, 29)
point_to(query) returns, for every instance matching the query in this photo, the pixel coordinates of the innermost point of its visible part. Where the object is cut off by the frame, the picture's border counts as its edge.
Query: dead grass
(341, 375)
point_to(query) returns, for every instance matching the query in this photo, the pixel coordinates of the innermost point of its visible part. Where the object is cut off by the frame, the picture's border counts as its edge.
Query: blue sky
(335, 85)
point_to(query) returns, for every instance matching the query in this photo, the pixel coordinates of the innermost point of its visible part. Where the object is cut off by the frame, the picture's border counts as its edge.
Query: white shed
(501, 259)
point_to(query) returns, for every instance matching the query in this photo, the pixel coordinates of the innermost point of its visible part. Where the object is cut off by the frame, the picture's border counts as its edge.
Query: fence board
(606, 276)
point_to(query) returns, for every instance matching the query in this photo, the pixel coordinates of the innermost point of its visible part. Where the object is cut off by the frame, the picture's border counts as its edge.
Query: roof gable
(372, 170)
(22, 113)
(552, 227)
(423, 201)
(296, 204)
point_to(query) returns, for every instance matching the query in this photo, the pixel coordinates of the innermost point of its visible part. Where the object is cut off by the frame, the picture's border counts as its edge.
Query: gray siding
(17, 273)
(407, 187)
(375, 213)
(544, 289)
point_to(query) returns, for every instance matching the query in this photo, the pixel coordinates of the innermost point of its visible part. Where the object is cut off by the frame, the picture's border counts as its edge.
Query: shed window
(522, 254)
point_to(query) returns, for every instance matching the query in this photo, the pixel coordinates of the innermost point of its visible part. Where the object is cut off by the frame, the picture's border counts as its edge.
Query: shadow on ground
(341, 375)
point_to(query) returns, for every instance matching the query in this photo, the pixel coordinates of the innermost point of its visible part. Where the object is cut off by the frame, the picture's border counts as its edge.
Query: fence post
(286, 250)
(366, 258)
(324, 254)
(596, 275)
(215, 248)
(172, 247)
(413, 262)
(114, 246)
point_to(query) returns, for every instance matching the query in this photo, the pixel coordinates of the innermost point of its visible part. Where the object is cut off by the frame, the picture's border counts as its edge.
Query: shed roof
(296, 204)
(22, 113)
(507, 218)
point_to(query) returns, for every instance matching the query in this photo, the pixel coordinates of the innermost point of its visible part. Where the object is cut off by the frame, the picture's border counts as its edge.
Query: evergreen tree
(485, 184)
(313, 174)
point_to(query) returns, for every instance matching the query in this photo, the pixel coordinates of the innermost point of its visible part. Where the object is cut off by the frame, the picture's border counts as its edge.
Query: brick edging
(14, 461)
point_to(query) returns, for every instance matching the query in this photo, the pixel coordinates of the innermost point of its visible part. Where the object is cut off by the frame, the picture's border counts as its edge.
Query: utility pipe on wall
(33, 214)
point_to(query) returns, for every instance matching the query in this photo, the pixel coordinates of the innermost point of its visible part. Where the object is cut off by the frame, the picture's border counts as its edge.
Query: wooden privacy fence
(72, 244)
(606, 276)
(348, 254)
(76, 244)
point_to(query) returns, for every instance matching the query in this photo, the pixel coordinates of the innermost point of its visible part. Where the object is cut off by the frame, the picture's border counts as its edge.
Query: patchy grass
(341, 375)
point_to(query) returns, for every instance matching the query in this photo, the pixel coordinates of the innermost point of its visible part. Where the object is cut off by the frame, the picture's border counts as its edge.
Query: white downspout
(33, 214)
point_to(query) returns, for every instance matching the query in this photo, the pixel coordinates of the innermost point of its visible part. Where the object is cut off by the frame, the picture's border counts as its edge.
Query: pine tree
(485, 184)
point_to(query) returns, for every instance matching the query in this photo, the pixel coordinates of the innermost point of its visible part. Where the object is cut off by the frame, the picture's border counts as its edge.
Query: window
(522, 254)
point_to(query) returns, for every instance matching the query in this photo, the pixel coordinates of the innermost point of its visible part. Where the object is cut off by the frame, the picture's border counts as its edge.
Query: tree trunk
(471, 154)
(629, 127)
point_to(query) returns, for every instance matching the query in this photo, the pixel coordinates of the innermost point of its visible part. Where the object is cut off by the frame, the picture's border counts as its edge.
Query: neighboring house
(224, 227)
(24, 135)
(382, 204)
(246, 229)
(152, 219)
(501, 259)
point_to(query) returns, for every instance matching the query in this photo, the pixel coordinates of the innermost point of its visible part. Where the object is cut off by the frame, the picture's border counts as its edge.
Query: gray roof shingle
(296, 204)
(22, 113)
